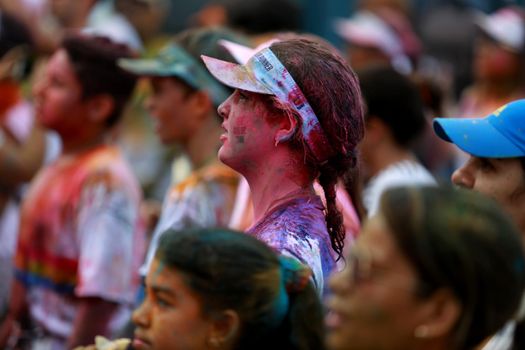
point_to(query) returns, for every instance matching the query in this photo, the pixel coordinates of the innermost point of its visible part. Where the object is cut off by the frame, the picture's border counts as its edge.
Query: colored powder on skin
(297, 226)
(239, 132)
(249, 164)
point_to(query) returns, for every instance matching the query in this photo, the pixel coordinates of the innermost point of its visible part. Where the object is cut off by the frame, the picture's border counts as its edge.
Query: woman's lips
(333, 320)
(139, 343)
(335, 317)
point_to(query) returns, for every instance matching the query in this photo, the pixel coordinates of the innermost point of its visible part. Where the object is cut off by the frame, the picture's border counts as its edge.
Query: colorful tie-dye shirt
(204, 199)
(297, 228)
(80, 236)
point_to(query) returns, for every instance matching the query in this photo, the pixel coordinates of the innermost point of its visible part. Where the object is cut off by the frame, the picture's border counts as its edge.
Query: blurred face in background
(171, 105)
(58, 97)
(374, 304)
(361, 57)
(493, 62)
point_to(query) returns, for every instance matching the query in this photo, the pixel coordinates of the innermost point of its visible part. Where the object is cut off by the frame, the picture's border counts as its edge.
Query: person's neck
(500, 89)
(202, 147)
(72, 146)
(385, 155)
(271, 186)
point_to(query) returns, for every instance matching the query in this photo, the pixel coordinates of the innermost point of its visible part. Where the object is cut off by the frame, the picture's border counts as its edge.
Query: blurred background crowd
(416, 60)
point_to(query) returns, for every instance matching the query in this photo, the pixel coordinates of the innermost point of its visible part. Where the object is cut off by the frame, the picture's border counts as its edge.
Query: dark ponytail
(328, 178)
(353, 184)
(335, 97)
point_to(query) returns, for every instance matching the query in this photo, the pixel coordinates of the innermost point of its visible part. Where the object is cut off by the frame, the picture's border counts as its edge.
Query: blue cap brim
(476, 136)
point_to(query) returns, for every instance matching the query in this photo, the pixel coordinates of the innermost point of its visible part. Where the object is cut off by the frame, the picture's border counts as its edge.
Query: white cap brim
(504, 26)
(234, 75)
(240, 52)
(367, 29)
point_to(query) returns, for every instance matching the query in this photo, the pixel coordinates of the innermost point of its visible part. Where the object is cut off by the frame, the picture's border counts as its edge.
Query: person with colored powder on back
(295, 117)
(183, 104)
(81, 239)
(348, 194)
(496, 168)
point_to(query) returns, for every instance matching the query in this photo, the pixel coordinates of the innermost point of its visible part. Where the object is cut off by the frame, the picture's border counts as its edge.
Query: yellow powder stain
(499, 110)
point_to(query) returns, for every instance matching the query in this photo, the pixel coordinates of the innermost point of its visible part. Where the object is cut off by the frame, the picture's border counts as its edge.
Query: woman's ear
(441, 315)
(286, 128)
(100, 107)
(225, 330)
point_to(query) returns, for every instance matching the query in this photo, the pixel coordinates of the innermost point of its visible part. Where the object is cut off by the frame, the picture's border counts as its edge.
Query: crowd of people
(297, 196)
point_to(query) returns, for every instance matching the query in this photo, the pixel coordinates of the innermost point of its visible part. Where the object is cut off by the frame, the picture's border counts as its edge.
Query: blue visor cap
(498, 135)
(174, 61)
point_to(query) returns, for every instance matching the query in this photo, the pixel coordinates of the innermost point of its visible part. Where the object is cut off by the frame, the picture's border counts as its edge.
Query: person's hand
(150, 210)
(9, 332)
(102, 343)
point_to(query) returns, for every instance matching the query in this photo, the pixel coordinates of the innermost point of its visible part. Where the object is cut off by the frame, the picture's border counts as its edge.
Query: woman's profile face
(171, 315)
(374, 303)
(491, 61)
(249, 137)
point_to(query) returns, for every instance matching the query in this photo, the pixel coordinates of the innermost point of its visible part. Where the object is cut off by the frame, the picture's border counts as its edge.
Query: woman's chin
(223, 155)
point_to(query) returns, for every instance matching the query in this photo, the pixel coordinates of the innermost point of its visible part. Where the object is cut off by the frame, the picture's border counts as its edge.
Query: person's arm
(46, 38)
(16, 311)
(92, 319)
(19, 162)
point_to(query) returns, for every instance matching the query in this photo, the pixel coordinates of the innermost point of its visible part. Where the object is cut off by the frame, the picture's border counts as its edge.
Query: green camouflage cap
(174, 61)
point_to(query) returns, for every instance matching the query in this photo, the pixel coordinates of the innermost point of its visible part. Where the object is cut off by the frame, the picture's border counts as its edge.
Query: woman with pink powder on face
(294, 118)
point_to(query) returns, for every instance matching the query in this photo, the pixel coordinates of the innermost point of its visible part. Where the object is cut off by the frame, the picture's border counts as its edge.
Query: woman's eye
(243, 96)
(162, 303)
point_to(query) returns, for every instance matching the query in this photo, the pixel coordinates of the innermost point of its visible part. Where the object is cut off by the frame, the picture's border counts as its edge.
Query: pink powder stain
(239, 130)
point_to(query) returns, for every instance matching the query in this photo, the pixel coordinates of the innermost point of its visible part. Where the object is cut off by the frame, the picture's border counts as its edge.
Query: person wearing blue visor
(496, 168)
